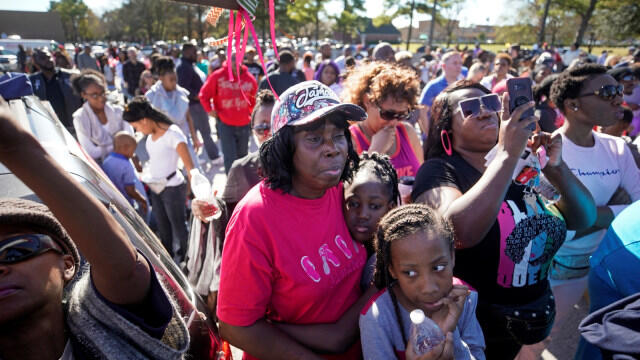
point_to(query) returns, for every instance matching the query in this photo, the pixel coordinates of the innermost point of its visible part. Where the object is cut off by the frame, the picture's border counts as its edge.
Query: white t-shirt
(602, 168)
(163, 155)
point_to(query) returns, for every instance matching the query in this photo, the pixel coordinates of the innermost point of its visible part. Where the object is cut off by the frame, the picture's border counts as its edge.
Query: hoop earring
(447, 148)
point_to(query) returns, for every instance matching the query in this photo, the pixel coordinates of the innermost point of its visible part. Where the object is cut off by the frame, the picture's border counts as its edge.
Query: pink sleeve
(246, 273)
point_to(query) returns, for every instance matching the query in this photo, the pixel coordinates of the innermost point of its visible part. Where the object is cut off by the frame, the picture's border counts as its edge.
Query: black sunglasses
(606, 92)
(22, 247)
(471, 107)
(262, 128)
(389, 115)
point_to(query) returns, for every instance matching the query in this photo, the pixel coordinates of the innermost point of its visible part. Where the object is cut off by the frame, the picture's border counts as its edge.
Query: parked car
(40, 119)
(8, 60)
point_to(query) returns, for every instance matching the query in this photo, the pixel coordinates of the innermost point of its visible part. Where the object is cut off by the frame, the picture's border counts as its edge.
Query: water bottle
(549, 193)
(202, 190)
(425, 334)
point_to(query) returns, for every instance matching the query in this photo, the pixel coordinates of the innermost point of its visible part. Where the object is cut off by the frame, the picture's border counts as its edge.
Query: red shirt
(289, 259)
(231, 106)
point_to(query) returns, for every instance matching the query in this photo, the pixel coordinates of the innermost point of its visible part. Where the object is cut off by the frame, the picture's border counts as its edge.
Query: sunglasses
(472, 107)
(389, 115)
(22, 247)
(262, 128)
(628, 78)
(606, 92)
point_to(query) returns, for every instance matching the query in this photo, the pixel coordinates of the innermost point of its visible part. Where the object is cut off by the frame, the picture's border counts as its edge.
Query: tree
(306, 12)
(348, 22)
(543, 21)
(73, 14)
(448, 18)
(618, 19)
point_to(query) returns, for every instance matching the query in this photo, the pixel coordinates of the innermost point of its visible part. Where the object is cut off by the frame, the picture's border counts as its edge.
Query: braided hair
(276, 154)
(397, 224)
(380, 166)
(140, 108)
(442, 116)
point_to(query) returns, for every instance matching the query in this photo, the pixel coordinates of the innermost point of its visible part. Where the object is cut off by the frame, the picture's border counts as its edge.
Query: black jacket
(71, 101)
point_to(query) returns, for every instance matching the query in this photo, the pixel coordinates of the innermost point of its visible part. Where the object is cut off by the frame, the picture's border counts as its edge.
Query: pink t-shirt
(289, 258)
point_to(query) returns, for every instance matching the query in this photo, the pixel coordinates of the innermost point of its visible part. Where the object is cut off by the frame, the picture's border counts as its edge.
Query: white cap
(417, 316)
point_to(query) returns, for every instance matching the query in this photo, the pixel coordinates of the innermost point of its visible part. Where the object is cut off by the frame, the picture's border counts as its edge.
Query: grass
(596, 50)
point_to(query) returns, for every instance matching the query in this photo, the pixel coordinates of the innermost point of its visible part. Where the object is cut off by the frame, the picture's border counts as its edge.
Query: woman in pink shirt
(290, 269)
(388, 93)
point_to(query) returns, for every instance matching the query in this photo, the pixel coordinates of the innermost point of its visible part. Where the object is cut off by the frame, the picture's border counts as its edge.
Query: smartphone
(520, 92)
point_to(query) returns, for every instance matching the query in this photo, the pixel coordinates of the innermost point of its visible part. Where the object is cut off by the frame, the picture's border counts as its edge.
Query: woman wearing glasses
(96, 122)
(388, 93)
(588, 97)
(49, 308)
(505, 235)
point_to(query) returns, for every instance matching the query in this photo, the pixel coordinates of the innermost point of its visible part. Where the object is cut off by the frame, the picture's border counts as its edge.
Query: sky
(478, 12)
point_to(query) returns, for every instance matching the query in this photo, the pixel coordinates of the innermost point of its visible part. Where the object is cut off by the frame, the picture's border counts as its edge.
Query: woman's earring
(444, 134)
(575, 108)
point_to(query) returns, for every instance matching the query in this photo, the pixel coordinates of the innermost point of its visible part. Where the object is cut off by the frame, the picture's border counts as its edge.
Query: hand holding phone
(520, 93)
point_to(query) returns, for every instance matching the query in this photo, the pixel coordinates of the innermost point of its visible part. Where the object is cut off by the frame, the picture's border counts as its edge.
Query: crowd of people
(385, 181)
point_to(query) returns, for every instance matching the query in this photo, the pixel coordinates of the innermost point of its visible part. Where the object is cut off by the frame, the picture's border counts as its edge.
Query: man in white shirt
(571, 54)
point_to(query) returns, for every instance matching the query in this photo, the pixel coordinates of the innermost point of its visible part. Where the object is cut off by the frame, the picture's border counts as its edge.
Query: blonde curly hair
(380, 80)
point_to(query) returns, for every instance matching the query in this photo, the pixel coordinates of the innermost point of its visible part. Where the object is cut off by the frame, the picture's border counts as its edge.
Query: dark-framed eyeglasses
(390, 115)
(606, 92)
(472, 106)
(262, 128)
(22, 247)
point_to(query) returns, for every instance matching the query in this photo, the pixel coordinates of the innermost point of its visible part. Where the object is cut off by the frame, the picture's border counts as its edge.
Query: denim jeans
(169, 210)
(234, 141)
(201, 123)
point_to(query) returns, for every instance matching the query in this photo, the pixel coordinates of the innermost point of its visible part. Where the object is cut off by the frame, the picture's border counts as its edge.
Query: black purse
(529, 323)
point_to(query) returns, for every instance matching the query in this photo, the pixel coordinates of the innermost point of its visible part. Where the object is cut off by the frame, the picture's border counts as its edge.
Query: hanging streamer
(229, 41)
(272, 28)
(255, 39)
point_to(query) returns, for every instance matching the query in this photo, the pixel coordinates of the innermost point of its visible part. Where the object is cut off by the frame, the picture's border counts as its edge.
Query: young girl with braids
(414, 270)
(371, 194)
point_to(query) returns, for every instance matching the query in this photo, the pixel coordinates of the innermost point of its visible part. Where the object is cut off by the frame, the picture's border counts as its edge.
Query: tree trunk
(317, 21)
(413, 5)
(189, 21)
(200, 12)
(543, 21)
(585, 22)
(433, 21)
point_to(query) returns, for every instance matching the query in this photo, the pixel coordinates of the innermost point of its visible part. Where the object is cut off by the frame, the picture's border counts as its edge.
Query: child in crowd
(120, 170)
(368, 197)
(173, 100)
(414, 270)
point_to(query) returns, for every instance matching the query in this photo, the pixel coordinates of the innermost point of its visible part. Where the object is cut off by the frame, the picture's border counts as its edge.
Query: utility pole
(413, 5)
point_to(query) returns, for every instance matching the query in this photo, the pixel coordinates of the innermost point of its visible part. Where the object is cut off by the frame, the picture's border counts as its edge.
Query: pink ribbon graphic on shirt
(309, 268)
(342, 245)
(328, 257)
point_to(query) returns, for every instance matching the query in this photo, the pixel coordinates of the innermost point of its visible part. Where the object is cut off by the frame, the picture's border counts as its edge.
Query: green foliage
(520, 33)
(618, 19)
(74, 16)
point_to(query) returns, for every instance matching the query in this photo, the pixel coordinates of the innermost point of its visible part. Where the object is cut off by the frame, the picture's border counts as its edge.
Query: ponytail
(140, 108)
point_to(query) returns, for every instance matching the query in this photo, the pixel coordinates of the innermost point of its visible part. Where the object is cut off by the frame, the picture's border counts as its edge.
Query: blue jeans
(234, 141)
(169, 210)
(201, 123)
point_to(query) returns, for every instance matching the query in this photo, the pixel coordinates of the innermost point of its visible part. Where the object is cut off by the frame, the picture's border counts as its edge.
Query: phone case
(520, 92)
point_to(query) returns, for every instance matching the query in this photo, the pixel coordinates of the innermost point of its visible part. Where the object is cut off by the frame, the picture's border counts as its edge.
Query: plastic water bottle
(202, 190)
(549, 193)
(425, 334)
